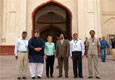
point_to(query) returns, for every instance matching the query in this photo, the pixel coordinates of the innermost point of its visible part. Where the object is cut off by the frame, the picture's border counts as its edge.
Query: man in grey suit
(62, 53)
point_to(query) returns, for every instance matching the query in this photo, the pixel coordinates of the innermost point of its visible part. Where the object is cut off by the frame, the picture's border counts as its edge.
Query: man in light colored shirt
(77, 50)
(92, 53)
(21, 54)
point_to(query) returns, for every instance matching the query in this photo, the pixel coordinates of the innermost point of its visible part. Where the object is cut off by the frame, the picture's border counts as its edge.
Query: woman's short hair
(37, 31)
(49, 37)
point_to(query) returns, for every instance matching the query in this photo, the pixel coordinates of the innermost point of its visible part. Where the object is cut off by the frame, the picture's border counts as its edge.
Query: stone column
(22, 14)
(3, 37)
(92, 17)
(1, 13)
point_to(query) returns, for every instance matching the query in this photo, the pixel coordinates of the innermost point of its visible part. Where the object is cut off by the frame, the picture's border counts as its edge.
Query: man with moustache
(92, 53)
(62, 53)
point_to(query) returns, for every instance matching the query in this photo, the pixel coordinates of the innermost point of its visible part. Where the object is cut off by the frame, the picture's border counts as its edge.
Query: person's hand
(86, 56)
(16, 57)
(102, 46)
(45, 57)
(71, 57)
(66, 56)
(56, 56)
(98, 55)
(38, 49)
(82, 56)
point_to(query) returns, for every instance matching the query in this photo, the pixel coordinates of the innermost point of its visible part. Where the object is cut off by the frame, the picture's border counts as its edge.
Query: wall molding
(109, 19)
(108, 12)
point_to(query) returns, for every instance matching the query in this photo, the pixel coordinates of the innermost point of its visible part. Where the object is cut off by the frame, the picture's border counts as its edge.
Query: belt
(77, 51)
(23, 51)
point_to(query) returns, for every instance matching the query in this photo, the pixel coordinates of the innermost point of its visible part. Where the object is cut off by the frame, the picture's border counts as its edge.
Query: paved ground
(8, 69)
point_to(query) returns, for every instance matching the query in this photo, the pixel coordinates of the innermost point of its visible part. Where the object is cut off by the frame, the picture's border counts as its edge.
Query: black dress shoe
(75, 76)
(59, 76)
(98, 77)
(90, 77)
(52, 76)
(19, 78)
(48, 77)
(80, 76)
(33, 78)
(24, 78)
(38, 77)
(66, 77)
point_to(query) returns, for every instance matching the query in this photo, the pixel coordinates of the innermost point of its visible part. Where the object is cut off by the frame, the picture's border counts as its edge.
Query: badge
(93, 44)
(75, 46)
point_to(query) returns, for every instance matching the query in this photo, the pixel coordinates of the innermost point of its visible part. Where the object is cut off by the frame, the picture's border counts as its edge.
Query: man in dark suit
(62, 53)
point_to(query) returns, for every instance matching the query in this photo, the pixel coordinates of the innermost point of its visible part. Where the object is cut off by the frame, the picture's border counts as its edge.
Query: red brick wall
(6, 50)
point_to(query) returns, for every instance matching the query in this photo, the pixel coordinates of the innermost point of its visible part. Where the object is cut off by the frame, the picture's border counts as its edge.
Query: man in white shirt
(77, 52)
(21, 55)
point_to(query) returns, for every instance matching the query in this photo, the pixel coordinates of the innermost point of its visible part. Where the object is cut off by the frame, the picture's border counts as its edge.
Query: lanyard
(75, 41)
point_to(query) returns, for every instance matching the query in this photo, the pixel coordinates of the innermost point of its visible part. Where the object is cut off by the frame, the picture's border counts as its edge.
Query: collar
(36, 37)
(104, 40)
(49, 42)
(22, 38)
(76, 40)
(92, 38)
(61, 39)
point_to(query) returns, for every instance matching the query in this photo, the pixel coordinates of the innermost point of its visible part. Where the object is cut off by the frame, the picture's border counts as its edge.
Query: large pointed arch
(48, 3)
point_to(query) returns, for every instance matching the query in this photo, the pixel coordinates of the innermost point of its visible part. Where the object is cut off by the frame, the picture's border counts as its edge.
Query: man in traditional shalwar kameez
(36, 55)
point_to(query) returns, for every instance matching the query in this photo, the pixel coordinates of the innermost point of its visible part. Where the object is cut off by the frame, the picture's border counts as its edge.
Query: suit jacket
(62, 50)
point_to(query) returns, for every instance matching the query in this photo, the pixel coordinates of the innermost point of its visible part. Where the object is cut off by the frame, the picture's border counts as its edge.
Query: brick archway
(55, 3)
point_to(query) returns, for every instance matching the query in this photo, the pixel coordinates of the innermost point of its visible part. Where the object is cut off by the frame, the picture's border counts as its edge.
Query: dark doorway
(52, 19)
(52, 32)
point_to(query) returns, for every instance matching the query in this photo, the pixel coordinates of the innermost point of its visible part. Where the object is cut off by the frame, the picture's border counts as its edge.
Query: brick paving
(8, 70)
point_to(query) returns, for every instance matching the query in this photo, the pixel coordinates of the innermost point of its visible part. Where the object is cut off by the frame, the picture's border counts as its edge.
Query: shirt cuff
(83, 52)
(70, 53)
(16, 54)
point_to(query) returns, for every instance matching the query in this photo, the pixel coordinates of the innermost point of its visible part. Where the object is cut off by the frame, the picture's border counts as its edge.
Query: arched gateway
(52, 18)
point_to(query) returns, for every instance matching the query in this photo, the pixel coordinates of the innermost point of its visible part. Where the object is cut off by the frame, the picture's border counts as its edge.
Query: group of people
(36, 50)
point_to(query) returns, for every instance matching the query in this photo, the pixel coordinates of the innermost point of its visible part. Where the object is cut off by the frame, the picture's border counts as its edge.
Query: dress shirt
(77, 45)
(21, 46)
(49, 48)
(62, 41)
